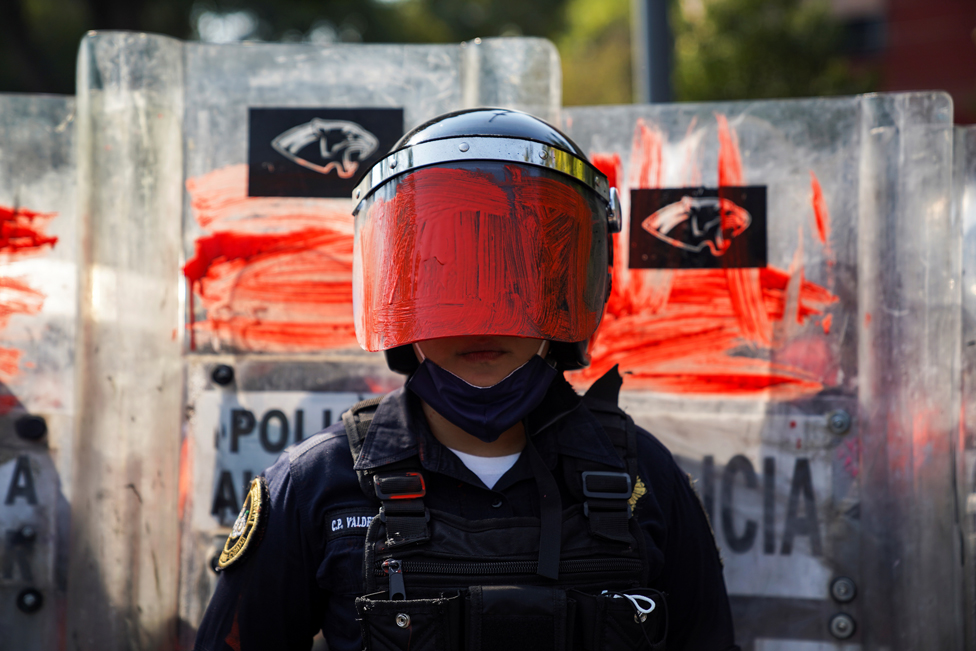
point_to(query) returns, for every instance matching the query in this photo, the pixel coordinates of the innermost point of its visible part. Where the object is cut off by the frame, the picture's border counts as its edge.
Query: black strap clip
(408, 485)
(607, 485)
(607, 504)
(403, 511)
(600, 485)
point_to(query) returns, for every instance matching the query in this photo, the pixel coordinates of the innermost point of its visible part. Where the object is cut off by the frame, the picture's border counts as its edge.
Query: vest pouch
(415, 624)
(513, 617)
(612, 622)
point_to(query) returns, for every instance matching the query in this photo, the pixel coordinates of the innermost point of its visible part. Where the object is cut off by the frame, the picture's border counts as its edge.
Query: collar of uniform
(392, 434)
(578, 433)
(398, 431)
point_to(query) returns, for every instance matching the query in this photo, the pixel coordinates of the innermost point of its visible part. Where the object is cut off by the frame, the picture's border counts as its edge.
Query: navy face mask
(483, 412)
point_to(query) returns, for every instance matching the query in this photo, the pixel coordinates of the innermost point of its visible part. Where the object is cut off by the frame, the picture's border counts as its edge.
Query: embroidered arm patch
(249, 526)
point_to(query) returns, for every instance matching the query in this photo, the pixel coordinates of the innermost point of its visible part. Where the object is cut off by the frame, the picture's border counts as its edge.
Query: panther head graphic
(693, 223)
(342, 145)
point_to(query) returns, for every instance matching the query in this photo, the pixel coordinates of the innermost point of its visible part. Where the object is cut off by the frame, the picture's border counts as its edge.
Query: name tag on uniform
(348, 522)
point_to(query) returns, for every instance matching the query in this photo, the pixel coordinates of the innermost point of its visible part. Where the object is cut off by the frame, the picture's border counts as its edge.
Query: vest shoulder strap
(606, 494)
(400, 486)
(356, 420)
(602, 400)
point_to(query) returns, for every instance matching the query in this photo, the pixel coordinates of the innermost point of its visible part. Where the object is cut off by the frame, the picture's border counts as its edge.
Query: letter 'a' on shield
(480, 247)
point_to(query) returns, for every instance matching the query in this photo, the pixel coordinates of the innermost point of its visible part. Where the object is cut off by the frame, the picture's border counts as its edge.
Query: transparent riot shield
(219, 262)
(38, 315)
(964, 204)
(785, 311)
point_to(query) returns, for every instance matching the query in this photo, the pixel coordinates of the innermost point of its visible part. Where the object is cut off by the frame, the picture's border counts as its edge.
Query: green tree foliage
(746, 49)
(39, 38)
(725, 49)
(595, 51)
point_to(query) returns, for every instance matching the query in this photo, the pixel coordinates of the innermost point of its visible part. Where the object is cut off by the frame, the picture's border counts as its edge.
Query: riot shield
(38, 316)
(785, 311)
(217, 188)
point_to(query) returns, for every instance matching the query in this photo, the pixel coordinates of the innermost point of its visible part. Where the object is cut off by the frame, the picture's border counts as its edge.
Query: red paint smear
(820, 214)
(530, 278)
(22, 233)
(647, 145)
(744, 286)
(276, 275)
(729, 158)
(8, 403)
(826, 323)
(610, 165)
(867, 319)
(708, 331)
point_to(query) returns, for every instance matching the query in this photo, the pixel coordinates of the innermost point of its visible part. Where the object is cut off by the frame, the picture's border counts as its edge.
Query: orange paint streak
(276, 274)
(710, 331)
(185, 485)
(647, 145)
(820, 215)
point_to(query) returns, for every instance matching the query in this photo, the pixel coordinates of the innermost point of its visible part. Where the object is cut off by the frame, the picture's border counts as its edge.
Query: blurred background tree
(739, 49)
(723, 49)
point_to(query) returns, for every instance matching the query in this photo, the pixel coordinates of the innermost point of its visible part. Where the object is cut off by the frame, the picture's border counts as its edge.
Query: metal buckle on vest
(608, 483)
(400, 486)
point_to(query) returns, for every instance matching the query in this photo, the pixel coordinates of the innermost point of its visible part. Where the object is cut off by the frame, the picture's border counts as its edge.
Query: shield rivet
(842, 626)
(839, 422)
(843, 589)
(30, 601)
(463, 146)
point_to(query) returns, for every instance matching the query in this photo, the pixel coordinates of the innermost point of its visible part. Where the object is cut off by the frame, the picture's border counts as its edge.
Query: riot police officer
(485, 505)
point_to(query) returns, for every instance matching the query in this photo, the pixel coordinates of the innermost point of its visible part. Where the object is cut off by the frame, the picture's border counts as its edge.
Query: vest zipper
(394, 568)
(500, 567)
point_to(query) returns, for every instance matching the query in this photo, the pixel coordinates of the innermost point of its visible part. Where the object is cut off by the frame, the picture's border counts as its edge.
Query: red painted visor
(498, 249)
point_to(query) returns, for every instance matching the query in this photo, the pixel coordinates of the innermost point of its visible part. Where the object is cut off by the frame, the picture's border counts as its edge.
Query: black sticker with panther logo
(307, 152)
(698, 228)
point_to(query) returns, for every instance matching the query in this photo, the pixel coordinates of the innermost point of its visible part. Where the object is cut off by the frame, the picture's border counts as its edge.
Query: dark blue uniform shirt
(305, 573)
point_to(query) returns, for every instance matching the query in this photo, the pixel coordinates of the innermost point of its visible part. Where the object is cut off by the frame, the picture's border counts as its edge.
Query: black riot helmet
(482, 222)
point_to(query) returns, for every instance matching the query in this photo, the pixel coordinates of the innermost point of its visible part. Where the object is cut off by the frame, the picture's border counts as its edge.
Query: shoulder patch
(249, 526)
(639, 491)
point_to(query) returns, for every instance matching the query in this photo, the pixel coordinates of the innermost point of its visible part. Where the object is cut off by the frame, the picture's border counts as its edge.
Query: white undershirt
(488, 469)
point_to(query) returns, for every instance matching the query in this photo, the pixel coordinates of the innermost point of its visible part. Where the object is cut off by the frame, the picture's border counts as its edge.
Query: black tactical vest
(574, 578)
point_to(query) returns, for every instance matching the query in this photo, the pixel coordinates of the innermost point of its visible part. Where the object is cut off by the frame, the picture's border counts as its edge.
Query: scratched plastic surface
(38, 285)
(964, 204)
(124, 542)
(743, 371)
